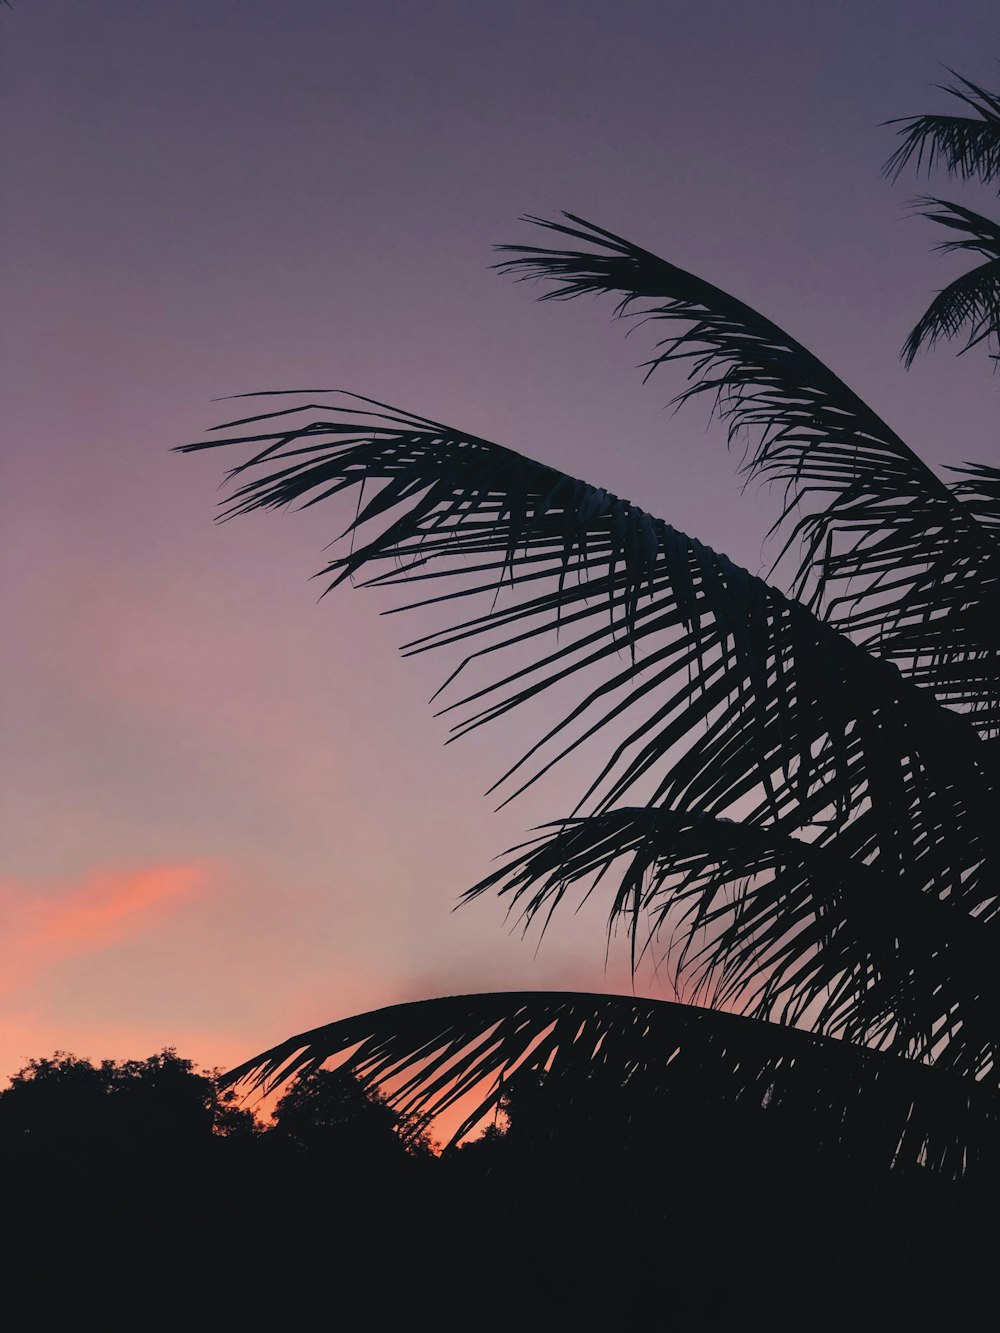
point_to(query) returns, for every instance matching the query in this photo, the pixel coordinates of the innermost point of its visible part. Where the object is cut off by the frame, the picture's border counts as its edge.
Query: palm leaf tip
(970, 305)
(966, 146)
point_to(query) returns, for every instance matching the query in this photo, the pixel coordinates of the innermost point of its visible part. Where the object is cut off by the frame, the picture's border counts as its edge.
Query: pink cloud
(45, 924)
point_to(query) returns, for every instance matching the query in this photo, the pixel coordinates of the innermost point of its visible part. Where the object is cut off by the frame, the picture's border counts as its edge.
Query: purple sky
(227, 810)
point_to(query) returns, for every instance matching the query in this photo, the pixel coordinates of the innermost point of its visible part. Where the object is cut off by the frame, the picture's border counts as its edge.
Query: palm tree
(798, 804)
(968, 147)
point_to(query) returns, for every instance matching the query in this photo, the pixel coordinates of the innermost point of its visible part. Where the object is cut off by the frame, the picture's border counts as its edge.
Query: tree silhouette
(332, 1114)
(116, 1177)
(62, 1100)
(797, 806)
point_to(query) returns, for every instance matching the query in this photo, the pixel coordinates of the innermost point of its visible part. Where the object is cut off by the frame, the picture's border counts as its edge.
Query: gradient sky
(227, 810)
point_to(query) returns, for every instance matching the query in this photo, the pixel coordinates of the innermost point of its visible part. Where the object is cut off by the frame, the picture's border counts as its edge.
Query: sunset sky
(228, 813)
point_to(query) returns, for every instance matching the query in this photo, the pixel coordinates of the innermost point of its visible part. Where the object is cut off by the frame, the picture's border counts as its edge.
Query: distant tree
(330, 1112)
(120, 1176)
(65, 1098)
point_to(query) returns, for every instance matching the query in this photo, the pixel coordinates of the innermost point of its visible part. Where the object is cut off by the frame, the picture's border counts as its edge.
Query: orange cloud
(45, 924)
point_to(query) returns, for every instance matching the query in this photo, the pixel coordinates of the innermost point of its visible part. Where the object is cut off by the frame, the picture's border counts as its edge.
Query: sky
(228, 813)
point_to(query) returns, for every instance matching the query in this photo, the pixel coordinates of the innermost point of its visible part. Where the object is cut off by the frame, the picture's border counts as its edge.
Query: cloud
(45, 924)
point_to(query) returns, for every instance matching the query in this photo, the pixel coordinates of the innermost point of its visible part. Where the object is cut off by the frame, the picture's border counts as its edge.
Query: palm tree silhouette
(800, 786)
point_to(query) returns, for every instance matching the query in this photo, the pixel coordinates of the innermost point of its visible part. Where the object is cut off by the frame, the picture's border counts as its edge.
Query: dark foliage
(140, 1193)
(858, 1105)
(562, 1209)
(968, 147)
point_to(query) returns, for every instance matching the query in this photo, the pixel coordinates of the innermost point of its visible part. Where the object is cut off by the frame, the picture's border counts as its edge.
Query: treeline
(138, 1194)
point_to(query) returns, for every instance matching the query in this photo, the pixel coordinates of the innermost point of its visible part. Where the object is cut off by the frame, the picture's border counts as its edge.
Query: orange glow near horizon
(102, 910)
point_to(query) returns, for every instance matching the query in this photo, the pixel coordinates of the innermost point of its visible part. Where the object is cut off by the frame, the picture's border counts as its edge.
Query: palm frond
(980, 490)
(705, 655)
(780, 928)
(666, 1058)
(969, 306)
(877, 527)
(966, 146)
